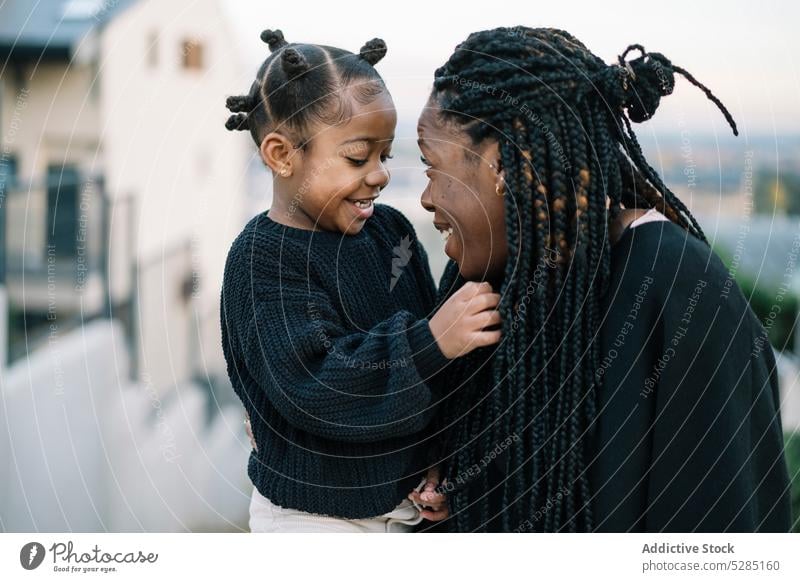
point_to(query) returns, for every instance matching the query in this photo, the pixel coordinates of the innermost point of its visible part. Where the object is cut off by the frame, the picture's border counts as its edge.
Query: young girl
(327, 327)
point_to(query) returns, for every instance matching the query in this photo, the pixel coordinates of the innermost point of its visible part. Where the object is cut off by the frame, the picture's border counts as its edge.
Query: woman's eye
(356, 162)
(428, 167)
(385, 157)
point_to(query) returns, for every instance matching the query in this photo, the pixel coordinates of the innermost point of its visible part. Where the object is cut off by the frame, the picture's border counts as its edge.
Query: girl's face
(335, 180)
(461, 192)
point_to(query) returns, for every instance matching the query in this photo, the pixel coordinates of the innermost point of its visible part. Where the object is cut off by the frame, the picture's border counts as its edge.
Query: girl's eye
(424, 161)
(359, 162)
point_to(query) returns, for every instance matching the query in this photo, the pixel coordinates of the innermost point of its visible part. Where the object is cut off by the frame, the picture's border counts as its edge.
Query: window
(63, 187)
(8, 178)
(192, 55)
(8, 173)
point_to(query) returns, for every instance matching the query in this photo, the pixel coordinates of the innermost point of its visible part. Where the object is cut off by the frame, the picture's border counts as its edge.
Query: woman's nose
(426, 201)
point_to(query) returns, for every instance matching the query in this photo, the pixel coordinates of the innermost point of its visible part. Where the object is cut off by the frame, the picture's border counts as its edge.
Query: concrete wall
(82, 449)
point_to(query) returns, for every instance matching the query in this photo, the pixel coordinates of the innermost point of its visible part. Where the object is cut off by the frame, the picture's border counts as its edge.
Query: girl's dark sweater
(328, 346)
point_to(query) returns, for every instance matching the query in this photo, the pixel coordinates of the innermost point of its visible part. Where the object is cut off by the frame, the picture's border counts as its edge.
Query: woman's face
(462, 193)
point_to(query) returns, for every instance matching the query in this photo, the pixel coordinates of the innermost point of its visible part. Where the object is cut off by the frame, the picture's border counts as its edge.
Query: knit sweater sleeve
(331, 381)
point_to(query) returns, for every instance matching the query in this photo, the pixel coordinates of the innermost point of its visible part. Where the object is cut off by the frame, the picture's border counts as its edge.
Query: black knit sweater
(688, 434)
(328, 346)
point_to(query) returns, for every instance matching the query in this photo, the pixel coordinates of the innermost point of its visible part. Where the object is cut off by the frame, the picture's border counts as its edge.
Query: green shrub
(792, 444)
(763, 300)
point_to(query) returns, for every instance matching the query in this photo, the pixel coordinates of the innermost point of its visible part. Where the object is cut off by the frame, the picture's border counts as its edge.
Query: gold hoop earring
(499, 189)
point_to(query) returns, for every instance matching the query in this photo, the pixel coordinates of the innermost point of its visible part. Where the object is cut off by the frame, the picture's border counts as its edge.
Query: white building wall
(55, 117)
(166, 146)
(50, 117)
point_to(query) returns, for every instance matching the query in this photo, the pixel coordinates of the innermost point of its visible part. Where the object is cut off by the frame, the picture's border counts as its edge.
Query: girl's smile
(364, 207)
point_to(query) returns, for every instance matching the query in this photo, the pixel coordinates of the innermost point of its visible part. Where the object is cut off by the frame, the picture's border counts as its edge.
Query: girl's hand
(434, 504)
(249, 431)
(467, 320)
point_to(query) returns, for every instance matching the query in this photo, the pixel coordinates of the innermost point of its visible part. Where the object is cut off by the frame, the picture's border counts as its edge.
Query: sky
(746, 52)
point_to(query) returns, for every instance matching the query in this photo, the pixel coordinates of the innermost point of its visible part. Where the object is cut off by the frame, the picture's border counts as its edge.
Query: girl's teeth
(363, 203)
(446, 234)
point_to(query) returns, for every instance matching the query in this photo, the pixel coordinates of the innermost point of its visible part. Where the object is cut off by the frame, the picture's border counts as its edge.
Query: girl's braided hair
(299, 84)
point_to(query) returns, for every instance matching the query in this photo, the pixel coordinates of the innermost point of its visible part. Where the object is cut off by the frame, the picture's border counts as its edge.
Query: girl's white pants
(265, 516)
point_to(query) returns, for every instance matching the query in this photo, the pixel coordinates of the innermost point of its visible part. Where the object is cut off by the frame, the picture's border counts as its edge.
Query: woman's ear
(492, 154)
(279, 154)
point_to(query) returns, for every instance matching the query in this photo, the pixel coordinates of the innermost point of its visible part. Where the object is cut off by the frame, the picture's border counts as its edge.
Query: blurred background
(121, 191)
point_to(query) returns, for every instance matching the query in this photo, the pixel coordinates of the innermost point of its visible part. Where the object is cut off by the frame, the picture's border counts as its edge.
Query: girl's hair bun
(238, 122)
(373, 51)
(293, 62)
(239, 103)
(274, 38)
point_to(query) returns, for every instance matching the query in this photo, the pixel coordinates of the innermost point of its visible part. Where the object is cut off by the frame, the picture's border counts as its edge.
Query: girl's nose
(379, 178)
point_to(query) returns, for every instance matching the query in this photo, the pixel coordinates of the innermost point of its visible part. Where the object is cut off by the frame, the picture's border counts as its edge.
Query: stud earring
(284, 172)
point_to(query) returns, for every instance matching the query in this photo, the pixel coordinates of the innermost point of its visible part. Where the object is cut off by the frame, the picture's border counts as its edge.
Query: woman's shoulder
(676, 264)
(665, 247)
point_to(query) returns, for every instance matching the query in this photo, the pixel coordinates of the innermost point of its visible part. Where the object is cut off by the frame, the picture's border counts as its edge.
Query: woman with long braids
(633, 388)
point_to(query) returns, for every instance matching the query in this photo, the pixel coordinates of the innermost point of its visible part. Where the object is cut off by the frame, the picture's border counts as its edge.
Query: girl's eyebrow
(367, 138)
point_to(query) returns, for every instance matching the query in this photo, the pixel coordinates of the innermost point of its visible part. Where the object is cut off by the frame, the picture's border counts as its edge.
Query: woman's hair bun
(649, 78)
(637, 85)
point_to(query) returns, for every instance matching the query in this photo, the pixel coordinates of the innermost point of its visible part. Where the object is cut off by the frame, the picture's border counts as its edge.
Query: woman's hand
(249, 431)
(434, 504)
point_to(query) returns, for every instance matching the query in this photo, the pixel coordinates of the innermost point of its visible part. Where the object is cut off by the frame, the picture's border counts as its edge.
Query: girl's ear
(279, 154)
